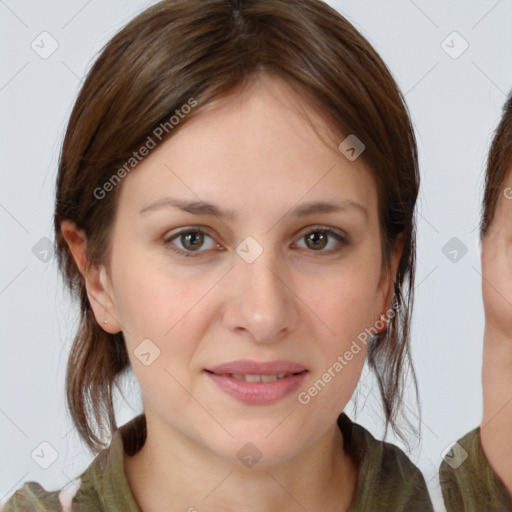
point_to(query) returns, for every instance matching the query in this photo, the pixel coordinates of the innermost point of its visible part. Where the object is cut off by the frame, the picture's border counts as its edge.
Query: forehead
(263, 144)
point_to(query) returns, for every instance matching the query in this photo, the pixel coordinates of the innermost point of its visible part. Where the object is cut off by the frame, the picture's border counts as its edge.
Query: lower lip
(257, 393)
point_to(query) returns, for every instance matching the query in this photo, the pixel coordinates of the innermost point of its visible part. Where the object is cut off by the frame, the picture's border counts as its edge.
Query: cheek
(497, 286)
(151, 296)
(157, 312)
(159, 326)
(345, 300)
(344, 306)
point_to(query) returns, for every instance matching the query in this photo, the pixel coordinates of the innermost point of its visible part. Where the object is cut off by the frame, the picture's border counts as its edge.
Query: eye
(318, 238)
(191, 239)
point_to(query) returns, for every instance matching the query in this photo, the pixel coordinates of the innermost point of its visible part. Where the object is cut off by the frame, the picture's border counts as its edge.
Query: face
(266, 281)
(496, 268)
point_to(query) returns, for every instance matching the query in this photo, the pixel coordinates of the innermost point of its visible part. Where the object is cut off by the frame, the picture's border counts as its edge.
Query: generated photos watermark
(158, 133)
(304, 397)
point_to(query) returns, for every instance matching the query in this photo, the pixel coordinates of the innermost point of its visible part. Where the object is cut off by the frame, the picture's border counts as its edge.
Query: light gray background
(455, 104)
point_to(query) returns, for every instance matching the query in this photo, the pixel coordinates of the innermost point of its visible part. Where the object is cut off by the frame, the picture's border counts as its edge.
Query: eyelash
(168, 241)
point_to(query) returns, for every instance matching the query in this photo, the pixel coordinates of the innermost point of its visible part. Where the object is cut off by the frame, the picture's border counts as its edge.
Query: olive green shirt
(468, 482)
(387, 479)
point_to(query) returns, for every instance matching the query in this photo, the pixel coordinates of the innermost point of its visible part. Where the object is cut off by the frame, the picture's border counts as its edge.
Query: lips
(257, 383)
(248, 367)
(258, 388)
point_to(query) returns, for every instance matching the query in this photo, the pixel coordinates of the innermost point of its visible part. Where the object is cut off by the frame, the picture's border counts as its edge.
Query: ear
(386, 286)
(97, 281)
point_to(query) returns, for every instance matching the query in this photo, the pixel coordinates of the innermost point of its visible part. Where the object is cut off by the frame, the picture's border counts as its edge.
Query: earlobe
(97, 283)
(99, 290)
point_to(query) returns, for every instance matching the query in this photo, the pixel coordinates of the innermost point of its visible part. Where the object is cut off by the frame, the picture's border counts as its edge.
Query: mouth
(278, 367)
(257, 383)
(256, 377)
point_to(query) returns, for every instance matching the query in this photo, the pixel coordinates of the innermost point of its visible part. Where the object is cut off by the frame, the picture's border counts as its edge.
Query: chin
(248, 452)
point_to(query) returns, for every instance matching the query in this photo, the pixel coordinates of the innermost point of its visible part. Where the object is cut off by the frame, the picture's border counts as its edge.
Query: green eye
(192, 241)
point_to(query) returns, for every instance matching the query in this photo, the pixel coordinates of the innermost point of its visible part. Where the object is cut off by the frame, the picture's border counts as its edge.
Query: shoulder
(79, 494)
(467, 480)
(102, 486)
(33, 497)
(387, 478)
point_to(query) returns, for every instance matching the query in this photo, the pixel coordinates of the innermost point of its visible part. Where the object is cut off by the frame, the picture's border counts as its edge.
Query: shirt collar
(107, 472)
(108, 475)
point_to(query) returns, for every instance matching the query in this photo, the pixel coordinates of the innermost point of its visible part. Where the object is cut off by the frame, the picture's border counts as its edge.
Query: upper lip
(249, 367)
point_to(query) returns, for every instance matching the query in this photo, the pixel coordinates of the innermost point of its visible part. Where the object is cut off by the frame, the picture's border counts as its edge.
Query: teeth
(256, 378)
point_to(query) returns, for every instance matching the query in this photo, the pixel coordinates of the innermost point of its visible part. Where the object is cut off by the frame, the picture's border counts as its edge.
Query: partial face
(268, 281)
(496, 265)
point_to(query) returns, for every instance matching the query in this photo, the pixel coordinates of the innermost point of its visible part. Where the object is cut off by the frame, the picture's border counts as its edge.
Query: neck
(172, 470)
(496, 426)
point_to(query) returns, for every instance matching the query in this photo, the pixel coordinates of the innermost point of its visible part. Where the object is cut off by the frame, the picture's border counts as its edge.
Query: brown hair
(182, 49)
(499, 163)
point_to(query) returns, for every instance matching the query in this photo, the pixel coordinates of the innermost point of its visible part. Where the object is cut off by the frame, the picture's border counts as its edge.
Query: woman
(477, 475)
(235, 210)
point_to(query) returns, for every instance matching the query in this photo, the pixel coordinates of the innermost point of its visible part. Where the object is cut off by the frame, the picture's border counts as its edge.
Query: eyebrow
(206, 208)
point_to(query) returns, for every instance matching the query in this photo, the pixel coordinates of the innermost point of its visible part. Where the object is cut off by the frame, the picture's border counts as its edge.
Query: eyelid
(323, 228)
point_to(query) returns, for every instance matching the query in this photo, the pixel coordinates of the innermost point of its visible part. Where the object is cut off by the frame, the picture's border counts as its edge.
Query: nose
(260, 299)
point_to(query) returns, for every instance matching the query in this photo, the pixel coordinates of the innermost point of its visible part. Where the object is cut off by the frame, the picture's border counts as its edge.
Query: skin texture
(256, 154)
(497, 358)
